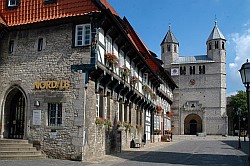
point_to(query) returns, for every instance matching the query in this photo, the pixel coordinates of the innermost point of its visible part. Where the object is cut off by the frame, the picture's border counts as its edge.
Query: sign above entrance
(64, 84)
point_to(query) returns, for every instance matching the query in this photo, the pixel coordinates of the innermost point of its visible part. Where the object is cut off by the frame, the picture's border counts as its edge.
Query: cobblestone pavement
(184, 150)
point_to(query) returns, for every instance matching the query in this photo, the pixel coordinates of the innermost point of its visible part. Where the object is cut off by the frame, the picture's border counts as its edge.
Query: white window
(54, 114)
(97, 105)
(82, 35)
(12, 2)
(109, 48)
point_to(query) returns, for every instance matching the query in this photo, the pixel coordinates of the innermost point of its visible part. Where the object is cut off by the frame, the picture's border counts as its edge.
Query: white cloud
(231, 94)
(241, 44)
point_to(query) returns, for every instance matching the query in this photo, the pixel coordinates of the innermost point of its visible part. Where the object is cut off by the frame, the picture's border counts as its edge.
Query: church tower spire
(216, 45)
(169, 49)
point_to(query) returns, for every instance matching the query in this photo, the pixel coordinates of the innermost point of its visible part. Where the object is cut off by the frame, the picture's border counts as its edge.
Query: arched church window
(210, 46)
(223, 45)
(216, 44)
(175, 48)
(162, 49)
(168, 46)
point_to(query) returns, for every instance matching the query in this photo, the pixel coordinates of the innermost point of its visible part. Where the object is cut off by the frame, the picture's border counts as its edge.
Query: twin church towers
(200, 99)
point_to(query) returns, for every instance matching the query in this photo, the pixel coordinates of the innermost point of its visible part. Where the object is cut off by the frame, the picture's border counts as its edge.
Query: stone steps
(15, 149)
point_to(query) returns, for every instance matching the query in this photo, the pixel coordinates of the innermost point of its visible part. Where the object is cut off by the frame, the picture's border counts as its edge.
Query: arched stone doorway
(14, 114)
(192, 124)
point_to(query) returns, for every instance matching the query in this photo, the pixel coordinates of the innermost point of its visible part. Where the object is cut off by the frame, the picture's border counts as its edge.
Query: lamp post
(238, 113)
(244, 127)
(245, 76)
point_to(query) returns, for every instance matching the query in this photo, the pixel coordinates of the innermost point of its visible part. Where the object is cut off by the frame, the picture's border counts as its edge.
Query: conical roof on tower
(170, 38)
(216, 34)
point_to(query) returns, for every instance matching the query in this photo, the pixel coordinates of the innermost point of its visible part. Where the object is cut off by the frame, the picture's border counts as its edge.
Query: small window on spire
(175, 48)
(210, 46)
(168, 47)
(216, 44)
(223, 45)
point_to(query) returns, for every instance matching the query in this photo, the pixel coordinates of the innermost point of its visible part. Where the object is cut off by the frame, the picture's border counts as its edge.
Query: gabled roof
(216, 34)
(193, 59)
(31, 11)
(169, 38)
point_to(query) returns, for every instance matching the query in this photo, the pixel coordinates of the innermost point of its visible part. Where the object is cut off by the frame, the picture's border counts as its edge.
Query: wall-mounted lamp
(36, 103)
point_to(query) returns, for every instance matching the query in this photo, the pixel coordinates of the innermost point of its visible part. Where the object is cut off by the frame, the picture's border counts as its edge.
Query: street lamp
(244, 124)
(245, 76)
(238, 113)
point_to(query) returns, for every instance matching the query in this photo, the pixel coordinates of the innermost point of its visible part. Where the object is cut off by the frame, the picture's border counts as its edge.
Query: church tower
(169, 49)
(216, 45)
(216, 51)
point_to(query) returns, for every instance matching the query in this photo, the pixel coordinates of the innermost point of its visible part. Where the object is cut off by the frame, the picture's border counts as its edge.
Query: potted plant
(107, 122)
(99, 121)
(111, 59)
(134, 80)
(125, 72)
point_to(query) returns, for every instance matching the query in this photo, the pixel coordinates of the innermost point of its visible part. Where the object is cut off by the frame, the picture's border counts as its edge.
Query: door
(16, 116)
(193, 127)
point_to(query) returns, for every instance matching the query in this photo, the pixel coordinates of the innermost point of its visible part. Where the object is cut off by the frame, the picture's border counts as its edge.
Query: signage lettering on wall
(64, 84)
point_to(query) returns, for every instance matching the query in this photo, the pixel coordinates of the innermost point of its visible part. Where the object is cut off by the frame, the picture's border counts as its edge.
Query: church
(200, 100)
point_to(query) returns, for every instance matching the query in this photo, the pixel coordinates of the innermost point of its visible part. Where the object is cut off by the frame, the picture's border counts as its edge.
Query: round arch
(192, 124)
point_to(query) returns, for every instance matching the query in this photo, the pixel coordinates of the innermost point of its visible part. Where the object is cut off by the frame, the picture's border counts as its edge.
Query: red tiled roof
(139, 44)
(108, 6)
(31, 11)
(2, 21)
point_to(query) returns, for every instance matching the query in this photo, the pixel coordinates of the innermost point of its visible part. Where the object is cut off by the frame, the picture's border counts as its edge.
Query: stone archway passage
(14, 114)
(192, 124)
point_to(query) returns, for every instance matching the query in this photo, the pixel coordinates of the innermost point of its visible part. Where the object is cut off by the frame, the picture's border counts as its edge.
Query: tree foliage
(240, 101)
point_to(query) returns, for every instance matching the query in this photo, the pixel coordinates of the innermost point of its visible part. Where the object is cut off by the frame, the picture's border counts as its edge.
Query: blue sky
(191, 22)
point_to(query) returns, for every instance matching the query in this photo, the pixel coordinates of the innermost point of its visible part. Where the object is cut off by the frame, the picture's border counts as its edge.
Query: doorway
(14, 116)
(192, 124)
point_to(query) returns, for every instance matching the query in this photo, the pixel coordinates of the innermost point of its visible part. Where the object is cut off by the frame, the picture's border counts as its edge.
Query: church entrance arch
(192, 124)
(14, 114)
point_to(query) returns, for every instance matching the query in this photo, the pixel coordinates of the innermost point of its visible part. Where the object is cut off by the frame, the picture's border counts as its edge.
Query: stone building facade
(200, 99)
(77, 81)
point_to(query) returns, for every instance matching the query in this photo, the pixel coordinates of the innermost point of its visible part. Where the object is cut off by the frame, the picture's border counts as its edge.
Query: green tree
(240, 101)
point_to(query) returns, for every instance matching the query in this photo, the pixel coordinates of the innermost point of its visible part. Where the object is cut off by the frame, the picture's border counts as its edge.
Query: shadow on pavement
(158, 157)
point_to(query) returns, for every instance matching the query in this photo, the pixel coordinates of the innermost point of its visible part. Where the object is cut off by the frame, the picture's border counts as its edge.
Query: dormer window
(50, 1)
(12, 3)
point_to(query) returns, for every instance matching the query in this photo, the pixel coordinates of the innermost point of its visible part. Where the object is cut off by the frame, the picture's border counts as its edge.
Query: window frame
(83, 35)
(11, 46)
(49, 1)
(9, 5)
(40, 44)
(56, 117)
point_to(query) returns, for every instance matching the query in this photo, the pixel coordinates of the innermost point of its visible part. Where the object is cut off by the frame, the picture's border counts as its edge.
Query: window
(202, 69)
(145, 78)
(54, 114)
(223, 45)
(192, 70)
(168, 47)
(175, 48)
(97, 105)
(162, 49)
(109, 48)
(216, 44)
(183, 70)
(210, 46)
(50, 1)
(40, 44)
(82, 35)
(12, 3)
(11, 46)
